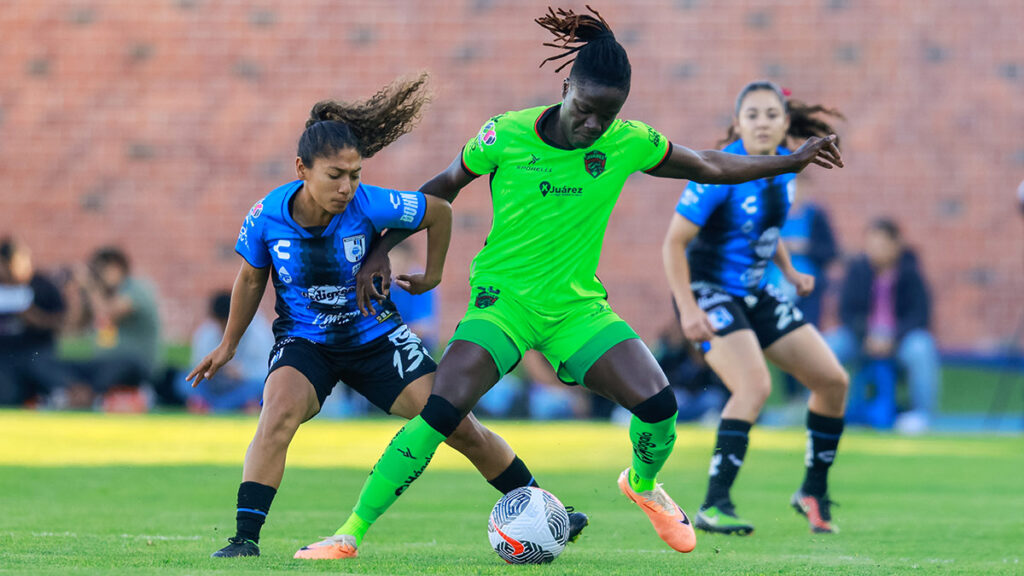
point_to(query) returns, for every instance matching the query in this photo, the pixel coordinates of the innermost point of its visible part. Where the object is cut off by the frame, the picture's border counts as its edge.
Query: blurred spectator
(812, 247)
(239, 384)
(31, 314)
(124, 313)
(885, 311)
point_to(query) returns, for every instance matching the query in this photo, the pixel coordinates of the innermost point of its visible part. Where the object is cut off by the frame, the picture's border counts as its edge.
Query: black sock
(730, 449)
(515, 476)
(253, 504)
(823, 433)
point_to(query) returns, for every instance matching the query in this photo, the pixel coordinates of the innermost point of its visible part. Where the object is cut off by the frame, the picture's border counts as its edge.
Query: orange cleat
(331, 548)
(817, 510)
(669, 520)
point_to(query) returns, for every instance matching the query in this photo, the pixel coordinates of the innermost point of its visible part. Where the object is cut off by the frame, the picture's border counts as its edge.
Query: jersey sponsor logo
(547, 188)
(410, 206)
(710, 299)
(764, 246)
(488, 135)
(533, 165)
(689, 198)
(751, 277)
(355, 247)
(486, 297)
(325, 319)
(243, 235)
(283, 274)
(594, 161)
(720, 318)
(791, 190)
(329, 295)
(653, 136)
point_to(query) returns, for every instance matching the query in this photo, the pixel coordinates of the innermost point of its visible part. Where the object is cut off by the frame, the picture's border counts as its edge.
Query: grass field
(104, 494)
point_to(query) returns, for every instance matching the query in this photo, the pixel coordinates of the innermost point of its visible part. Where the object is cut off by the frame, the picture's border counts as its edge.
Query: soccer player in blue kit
(715, 253)
(310, 237)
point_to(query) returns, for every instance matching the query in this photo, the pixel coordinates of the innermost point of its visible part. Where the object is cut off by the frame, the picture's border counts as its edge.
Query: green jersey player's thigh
(581, 336)
(500, 324)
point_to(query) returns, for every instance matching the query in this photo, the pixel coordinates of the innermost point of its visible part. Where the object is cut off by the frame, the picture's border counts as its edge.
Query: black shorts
(766, 312)
(379, 370)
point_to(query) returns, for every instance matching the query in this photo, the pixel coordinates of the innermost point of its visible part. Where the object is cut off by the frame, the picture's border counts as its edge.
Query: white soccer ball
(528, 526)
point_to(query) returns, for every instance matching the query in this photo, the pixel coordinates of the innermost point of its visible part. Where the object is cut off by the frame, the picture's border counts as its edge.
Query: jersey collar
(287, 213)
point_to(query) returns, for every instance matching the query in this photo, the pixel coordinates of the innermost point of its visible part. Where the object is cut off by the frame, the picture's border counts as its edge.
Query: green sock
(354, 526)
(652, 444)
(403, 461)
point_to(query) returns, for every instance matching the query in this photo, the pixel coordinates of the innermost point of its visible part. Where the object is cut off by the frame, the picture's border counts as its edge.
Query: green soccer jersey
(551, 205)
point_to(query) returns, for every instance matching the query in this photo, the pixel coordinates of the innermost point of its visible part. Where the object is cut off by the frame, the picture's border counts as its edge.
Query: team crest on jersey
(486, 297)
(488, 135)
(594, 162)
(355, 247)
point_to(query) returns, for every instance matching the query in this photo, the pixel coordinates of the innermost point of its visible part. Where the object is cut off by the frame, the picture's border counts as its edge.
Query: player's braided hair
(367, 126)
(589, 41)
(803, 120)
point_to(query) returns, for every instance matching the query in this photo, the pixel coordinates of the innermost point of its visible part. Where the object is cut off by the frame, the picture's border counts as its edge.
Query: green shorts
(572, 338)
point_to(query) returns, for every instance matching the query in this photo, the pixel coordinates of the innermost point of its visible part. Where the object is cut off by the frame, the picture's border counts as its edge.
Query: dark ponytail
(595, 54)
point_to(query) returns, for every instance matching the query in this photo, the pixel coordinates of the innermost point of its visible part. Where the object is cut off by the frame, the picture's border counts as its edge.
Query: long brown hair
(367, 126)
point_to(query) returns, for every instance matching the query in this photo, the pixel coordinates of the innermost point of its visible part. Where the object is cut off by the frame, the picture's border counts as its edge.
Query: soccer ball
(528, 526)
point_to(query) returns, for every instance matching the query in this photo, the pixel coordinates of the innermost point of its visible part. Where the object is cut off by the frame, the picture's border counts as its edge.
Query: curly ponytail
(367, 126)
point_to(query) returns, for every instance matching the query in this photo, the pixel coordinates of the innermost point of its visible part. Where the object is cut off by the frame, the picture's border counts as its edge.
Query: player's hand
(416, 283)
(209, 366)
(376, 265)
(878, 347)
(696, 325)
(820, 151)
(804, 283)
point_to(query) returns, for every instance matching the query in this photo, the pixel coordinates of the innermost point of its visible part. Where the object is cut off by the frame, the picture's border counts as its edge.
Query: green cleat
(722, 519)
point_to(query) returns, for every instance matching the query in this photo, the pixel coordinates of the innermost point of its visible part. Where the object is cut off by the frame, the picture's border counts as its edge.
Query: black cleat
(238, 547)
(577, 522)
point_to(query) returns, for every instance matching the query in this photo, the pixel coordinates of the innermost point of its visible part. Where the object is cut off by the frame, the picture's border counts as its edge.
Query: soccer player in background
(311, 236)
(716, 250)
(556, 173)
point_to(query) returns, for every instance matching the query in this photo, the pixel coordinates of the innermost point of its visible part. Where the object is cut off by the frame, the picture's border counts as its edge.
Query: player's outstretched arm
(438, 222)
(245, 300)
(445, 185)
(695, 323)
(716, 167)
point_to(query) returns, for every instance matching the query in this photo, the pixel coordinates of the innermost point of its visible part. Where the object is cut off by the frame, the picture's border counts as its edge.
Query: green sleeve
(649, 147)
(480, 154)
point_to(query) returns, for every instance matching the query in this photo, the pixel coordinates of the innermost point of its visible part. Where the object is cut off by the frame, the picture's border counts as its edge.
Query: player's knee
(279, 424)
(469, 436)
(657, 408)
(441, 415)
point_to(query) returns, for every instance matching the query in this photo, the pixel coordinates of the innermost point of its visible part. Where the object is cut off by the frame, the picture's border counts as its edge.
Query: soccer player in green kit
(556, 173)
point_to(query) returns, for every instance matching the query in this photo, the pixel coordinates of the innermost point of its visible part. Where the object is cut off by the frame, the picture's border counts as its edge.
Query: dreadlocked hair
(367, 126)
(803, 118)
(590, 46)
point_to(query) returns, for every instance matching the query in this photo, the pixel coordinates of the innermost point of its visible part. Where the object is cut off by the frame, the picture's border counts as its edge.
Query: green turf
(933, 505)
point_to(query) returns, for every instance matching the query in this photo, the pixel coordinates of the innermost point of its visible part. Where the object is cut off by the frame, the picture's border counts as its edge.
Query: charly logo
(546, 188)
(486, 297)
(594, 162)
(488, 135)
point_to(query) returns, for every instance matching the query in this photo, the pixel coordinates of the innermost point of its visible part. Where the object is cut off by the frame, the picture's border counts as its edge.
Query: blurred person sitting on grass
(126, 330)
(885, 312)
(239, 384)
(32, 313)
